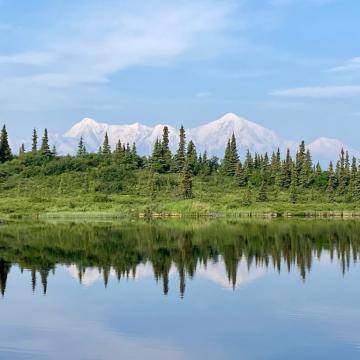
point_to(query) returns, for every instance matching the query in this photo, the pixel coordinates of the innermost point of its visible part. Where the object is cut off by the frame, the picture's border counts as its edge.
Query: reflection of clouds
(213, 271)
(93, 341)
(216, 272)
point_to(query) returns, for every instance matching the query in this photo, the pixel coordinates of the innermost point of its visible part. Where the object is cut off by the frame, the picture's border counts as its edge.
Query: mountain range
(212, 137)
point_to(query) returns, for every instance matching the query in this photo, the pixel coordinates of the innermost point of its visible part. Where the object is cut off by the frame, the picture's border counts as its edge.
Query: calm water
(180, 290)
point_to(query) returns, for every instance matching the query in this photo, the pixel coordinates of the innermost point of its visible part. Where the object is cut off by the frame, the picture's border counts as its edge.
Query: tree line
(280, 246)
(256, 172)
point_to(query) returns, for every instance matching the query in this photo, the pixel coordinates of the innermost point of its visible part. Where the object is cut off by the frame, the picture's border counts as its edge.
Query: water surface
(180, 290)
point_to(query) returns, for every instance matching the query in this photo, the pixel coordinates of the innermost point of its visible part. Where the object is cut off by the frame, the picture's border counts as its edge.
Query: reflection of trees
(278, 244)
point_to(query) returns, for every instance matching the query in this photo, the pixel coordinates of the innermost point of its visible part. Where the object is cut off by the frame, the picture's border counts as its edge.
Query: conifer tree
(293, 186)
(165, 151)
(331, 183)
(240, 175)
(22, 150)
(180, 154)
(54, 151)
(247, 197)
(34, 141)
(81, 148)
(234, 160)
(45, 148)
(186, 183)
(5, 151)
(191, 157)
(262, 194)
(299, 160)
(355, 189)
(119, 152)
(106, 149)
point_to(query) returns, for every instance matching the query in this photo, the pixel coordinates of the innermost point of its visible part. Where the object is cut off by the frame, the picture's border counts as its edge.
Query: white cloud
(28, 58)
(319, 91)
(102, 43)
(348, 66)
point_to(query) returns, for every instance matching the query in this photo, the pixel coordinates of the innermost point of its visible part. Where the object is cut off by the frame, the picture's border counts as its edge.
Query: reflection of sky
(212, 271)
(269, 315)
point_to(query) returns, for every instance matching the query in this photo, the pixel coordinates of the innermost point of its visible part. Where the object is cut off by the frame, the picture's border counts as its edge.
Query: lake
(212, 289)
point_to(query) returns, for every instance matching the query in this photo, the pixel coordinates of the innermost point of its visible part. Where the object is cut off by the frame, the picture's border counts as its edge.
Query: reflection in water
(228, 253)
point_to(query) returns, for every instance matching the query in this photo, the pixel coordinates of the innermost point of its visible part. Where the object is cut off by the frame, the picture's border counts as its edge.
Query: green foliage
(5, 151)
(186, 183)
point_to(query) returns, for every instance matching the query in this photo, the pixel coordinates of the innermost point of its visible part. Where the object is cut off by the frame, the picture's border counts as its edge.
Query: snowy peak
(85, 126)
(212, 137)
(326, 147)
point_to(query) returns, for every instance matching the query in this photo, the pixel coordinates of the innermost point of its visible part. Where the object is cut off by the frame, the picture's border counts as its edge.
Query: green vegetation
(121, 247)
(121, 182)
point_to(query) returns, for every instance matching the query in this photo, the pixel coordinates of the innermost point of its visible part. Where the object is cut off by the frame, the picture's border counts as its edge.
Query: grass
(73, 195)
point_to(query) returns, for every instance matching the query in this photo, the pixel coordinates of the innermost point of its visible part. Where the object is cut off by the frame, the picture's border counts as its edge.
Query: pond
(212, 289)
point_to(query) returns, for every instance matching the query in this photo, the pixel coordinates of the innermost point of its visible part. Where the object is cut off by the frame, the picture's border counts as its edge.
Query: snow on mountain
(212, 137)
(327, 148)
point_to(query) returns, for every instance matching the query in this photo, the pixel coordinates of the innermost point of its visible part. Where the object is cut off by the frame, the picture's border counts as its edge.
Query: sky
(290, 65)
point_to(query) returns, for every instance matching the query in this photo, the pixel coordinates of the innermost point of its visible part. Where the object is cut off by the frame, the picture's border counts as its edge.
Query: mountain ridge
(211, 137)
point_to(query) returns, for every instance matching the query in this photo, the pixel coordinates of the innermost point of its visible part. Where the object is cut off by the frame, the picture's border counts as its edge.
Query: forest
(119, 180)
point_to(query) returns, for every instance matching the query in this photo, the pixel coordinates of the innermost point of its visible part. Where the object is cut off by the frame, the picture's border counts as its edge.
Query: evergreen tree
(34, 141)
(231, 157)
(240, 175)
(22, 150)
(293, 186)
(262, 194)
(191, 158)
(81, 148)
(306, 170)
(299, 161)
(355, 191)
(186, 183)
(247, 197)
(106, 149)
(331, 183)
(165, 151)
(45, 148)
(180, 154)
(5, 151)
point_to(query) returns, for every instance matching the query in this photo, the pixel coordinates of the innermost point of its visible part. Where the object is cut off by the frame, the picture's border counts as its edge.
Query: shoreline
(93, 215)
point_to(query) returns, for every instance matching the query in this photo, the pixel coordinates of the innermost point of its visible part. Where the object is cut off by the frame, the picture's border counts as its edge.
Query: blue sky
(290, 65)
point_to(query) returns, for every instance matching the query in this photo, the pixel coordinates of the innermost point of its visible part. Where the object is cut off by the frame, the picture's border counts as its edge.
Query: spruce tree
(186, 183)
(262, 193)
(106, 149)
(34, 141)
(355, 191)
(45, 148)
(156, 158)
(331, 183)
(191, 157)
(231, 157)
(247, 197)
(240, 175)
(119, 152)
(5, 151)
(299, 161)
(180, 154)
(81, 148)
(165, 150)
(22, 150)
(293, 186)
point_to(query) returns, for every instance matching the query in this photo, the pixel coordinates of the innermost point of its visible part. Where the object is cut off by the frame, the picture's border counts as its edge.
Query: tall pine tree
(5, 151)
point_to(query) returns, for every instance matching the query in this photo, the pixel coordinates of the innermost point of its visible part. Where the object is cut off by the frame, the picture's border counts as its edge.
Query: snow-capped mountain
(329, 149)
(211, 137)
